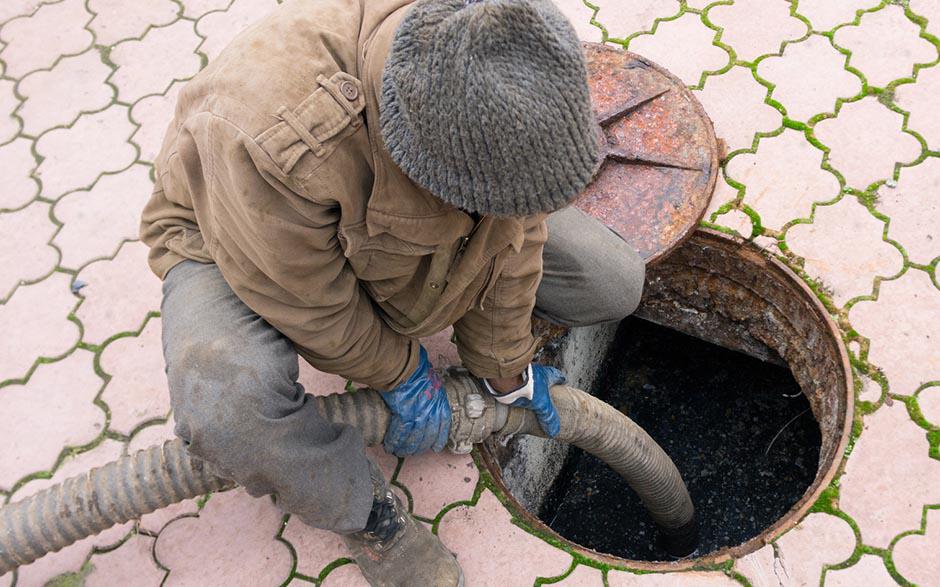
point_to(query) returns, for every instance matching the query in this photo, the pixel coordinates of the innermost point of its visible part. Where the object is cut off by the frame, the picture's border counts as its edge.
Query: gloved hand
(534, 395)
(420, 412)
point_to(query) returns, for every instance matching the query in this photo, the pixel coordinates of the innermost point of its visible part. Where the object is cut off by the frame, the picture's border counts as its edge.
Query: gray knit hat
(485, 104)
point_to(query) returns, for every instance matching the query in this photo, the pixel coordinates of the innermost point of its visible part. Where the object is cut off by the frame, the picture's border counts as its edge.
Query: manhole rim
(792, 518)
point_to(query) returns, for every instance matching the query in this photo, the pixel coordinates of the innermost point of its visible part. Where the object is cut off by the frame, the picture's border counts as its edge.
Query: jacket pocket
(385, 263)
(317, 125)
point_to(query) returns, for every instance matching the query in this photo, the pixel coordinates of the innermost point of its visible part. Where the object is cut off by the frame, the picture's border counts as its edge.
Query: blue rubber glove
(542, 378)
(420, 412)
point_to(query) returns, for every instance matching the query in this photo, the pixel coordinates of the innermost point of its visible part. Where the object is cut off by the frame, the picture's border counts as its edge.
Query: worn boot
(394, 550)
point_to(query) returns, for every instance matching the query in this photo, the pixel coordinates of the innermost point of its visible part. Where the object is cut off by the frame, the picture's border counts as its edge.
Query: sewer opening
(739, 430)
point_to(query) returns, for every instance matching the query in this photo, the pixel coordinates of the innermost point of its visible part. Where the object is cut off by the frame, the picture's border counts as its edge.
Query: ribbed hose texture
(162, 475)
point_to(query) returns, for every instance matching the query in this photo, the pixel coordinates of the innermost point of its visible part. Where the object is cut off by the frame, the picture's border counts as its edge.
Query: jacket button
(349, 90)
(434, 285)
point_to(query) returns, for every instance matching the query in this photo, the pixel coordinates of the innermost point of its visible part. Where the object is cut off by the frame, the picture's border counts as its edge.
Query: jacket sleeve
(277, 246)
(494, 339)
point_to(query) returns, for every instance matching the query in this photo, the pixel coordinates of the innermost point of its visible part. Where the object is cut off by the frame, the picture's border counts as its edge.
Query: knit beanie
(485, 104)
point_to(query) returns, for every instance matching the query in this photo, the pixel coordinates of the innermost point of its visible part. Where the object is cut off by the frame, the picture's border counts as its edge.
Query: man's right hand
(420, 412)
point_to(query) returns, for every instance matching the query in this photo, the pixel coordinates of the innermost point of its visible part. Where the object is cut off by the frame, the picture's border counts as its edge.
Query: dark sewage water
(739, 430)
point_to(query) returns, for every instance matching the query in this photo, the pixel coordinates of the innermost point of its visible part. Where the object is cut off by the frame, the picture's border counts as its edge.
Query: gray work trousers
(238, 405)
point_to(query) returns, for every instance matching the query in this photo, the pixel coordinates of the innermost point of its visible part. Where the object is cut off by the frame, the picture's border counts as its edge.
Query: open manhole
(735, 368)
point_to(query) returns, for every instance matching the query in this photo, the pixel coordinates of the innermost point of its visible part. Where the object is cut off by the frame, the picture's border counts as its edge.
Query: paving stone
(319, 383)
(915, 219)
(915, 555)
(71, 558)
(138, 390)
(151, 435)
(929, 9)
(60, 25)
(70, 164)
(441, 351)
(684, 47)
(151, 64)
(622, 19)
(929, 402)
(583, 576)
(154, 115)
(345, 576)
(315, 548)
(235, 538)
(756, 27)
(130, 563)
(47, 106)
(96, 221)
(12, 8)
(843, 247)
(65, 391)
(736, 220)
(784, 178)
(438, 479)
(723, 194)
(34, 324)
(869, 571)
(819, 540)
(9, 125)
(889, 477)
(922, 100)
(25, 254)
(809, 77)
(725, 96)
(580, 15)
(871, 390)
(885, 45)
(219, 28)
(690, 579)
(118, 294)
(826, 14)
(867, 142)
(196, 8)
(114, 21)
(479, 535)
(17, 162)
(903, 342)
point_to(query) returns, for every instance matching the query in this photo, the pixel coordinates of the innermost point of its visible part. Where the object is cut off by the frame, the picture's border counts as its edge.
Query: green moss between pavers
(74, 579)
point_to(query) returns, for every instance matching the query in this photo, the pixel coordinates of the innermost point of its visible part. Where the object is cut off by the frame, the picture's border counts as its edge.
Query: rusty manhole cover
(661, 156)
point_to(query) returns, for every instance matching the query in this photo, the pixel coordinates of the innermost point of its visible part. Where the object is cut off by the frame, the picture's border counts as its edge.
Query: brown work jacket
(275, 170)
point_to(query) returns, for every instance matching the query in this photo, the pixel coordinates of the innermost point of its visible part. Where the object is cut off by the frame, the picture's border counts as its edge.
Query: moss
(74, 579)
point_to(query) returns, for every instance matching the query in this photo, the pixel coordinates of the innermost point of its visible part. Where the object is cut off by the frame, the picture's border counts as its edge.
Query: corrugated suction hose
(162, 475)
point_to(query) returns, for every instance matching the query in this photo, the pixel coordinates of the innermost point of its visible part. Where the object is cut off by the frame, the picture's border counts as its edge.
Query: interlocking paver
(436, 480)
(68, 162)
(885, 496)
(915, 221)
(684, 46)
(869, 571)
(9, 125)
(46, 105)
(114, 22)
(151, 64)
(621, 19)
(929, 9)
(13, 8)
(901, 328)
(885, 45)
(17, 162)
(251, 556)
(478, 534)
(154, 114)
(34, 324)
(922, 100)
(315, 548)
(756, 27)
(95, 222)
(219, 28)
(345, 576)
(871, 391)
(801, 553)
(809, 77)
(867, 141)
(915, 555)
(724, 96)
(784, 178)
(691, 579)
(25, 254)
(580, 14)
(60, 25)
(583, 576)
(826, 14)
(118, 294)
(844, 248)
(131, 559)
(32, 440)
(137, 391)
(196, 8)
(928, 400)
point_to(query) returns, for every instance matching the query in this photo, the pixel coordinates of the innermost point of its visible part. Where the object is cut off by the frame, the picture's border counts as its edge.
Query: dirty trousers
(238, 405)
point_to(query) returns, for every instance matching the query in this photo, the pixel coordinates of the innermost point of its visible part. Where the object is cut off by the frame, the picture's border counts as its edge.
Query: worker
(346, 178)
